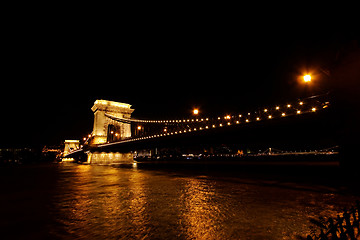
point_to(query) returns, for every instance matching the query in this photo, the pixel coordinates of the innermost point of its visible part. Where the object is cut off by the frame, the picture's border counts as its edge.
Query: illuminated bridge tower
(106, 129)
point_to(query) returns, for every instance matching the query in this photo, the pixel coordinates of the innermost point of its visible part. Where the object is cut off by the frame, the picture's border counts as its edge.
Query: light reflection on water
(201, 214)
(97, 202)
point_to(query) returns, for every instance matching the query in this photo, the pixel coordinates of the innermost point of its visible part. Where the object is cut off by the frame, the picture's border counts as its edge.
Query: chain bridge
(115, 131)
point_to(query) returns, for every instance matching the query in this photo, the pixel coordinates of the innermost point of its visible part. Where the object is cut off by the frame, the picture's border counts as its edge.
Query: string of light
(277, 111)
(284, 113)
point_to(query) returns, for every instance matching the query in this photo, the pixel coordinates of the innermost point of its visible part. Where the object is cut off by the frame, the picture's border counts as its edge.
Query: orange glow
(307, 78)
(196, 111)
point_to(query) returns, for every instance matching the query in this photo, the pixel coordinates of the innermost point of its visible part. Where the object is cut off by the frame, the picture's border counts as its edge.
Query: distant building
(17, 155)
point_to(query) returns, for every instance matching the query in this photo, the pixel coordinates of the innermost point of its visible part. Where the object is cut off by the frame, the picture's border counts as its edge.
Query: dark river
(70, 201)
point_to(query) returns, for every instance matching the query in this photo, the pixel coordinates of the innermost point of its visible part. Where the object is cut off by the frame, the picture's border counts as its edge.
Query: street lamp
(138, 130)
(196, 111)
(307, 78)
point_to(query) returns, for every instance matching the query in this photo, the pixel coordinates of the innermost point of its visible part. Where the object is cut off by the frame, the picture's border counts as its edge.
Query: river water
(70, 201)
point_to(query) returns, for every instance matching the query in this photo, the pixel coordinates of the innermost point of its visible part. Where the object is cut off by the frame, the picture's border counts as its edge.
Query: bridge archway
(113, 133)
(106, 129)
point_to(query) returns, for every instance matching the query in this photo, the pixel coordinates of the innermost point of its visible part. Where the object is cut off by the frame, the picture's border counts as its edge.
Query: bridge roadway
(305, 130)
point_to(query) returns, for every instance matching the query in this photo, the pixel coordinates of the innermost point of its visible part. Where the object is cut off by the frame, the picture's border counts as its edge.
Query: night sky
(53, 77)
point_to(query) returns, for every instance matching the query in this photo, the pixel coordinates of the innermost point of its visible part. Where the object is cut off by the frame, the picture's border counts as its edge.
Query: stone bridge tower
(110, 121)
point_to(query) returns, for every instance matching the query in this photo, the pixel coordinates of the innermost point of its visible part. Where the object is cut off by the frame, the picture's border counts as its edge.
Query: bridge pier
(107, 158)
(71, 145)
(106, 129)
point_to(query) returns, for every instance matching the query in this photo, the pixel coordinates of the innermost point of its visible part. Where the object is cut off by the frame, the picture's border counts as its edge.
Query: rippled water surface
(69, 201)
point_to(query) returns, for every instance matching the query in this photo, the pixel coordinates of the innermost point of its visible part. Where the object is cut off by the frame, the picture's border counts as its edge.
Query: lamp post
(138, 130)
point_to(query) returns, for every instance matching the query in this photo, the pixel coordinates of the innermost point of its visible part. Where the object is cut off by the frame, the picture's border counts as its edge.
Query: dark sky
(53, 75)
